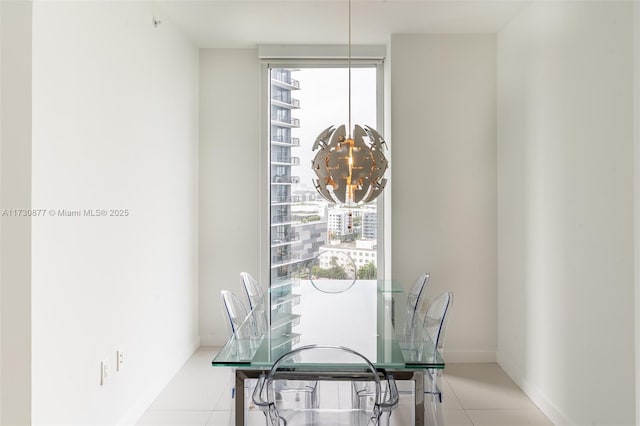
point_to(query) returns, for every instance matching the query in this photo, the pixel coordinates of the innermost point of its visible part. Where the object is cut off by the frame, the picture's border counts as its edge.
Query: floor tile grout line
(466, 410)
(453, 391)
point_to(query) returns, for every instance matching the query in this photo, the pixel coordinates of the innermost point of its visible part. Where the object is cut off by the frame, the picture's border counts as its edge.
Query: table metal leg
(240, 378)
(242, 375)
(418, 378)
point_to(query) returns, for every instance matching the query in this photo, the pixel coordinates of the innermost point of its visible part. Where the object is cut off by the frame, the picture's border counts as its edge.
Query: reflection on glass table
(331, 272)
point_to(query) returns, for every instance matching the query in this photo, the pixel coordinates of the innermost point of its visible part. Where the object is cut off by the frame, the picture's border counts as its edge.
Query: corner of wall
(15, 195)
(140, 406)
(554, 414)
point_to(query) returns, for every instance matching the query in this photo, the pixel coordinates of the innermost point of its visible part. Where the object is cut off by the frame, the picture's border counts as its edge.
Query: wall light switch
(119, 359)
(104, 372)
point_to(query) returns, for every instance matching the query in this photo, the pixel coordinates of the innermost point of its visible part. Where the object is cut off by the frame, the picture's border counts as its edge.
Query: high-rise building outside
(361, 253)
(296, 232)
(340, 223)
(369, 224)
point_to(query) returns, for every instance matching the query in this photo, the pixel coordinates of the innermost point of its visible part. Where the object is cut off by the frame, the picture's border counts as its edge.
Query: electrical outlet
(119, 359)
(104, 371)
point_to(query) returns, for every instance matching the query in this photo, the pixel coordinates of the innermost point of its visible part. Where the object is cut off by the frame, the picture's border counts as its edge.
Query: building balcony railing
(285, 78)
(281, 199)
(286, 121)
(281, 179)
(282, 140)
(284, 239)
(286, 179)
(285, 258)
(290, 102)
(294, 161)
(280, 219)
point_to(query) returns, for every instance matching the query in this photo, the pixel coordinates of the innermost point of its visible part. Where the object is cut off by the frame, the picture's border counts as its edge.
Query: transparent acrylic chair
(435, 322)
(252, 289)
(256, 299)
(283, 406)
(235, 314)
(414, 298)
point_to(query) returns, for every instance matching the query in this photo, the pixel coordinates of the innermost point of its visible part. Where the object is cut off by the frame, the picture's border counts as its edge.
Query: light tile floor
(473, 395)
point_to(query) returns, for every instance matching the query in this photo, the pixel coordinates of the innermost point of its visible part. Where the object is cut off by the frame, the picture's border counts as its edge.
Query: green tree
(367, 272)
(335, 272)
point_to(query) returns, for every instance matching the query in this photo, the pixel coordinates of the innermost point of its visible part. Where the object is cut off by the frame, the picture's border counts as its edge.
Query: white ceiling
(228, 23)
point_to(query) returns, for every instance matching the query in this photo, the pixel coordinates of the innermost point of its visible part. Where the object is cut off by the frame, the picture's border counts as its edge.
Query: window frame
(382, 202)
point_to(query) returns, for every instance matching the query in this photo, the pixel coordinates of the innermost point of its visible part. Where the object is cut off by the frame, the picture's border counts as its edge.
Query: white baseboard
(538, 397)
(140, 406)
(469, 356)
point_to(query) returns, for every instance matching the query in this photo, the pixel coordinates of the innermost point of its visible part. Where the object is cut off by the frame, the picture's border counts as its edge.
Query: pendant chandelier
(350, 166)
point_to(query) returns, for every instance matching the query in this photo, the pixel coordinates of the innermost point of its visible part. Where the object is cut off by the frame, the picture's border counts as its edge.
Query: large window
(304, 101)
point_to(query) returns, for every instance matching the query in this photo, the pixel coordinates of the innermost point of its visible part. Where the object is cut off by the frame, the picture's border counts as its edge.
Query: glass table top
(369, 318)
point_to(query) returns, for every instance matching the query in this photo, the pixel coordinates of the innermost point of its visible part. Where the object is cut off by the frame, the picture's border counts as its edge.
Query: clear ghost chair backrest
(435, 323)
(413, 299)
(256, 299)
(435, 317)
(252, 289)
(269, 394)
(236, 314)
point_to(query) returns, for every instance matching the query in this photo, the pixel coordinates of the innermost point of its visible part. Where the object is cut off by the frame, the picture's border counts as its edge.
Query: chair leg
(431, 387)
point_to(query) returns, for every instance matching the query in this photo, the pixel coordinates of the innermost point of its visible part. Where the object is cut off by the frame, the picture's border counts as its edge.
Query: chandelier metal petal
(350, 170)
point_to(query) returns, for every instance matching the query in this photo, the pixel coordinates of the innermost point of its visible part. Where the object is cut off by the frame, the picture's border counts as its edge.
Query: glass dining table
(368, 316)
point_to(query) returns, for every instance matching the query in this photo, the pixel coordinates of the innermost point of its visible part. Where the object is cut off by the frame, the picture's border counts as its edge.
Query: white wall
(115, 118)
(565, 215)
(229, 179)
(636, 109)
(443, 139)
(15, 193)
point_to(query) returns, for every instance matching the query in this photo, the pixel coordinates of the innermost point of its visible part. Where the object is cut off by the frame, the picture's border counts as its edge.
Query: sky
(324, 102)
